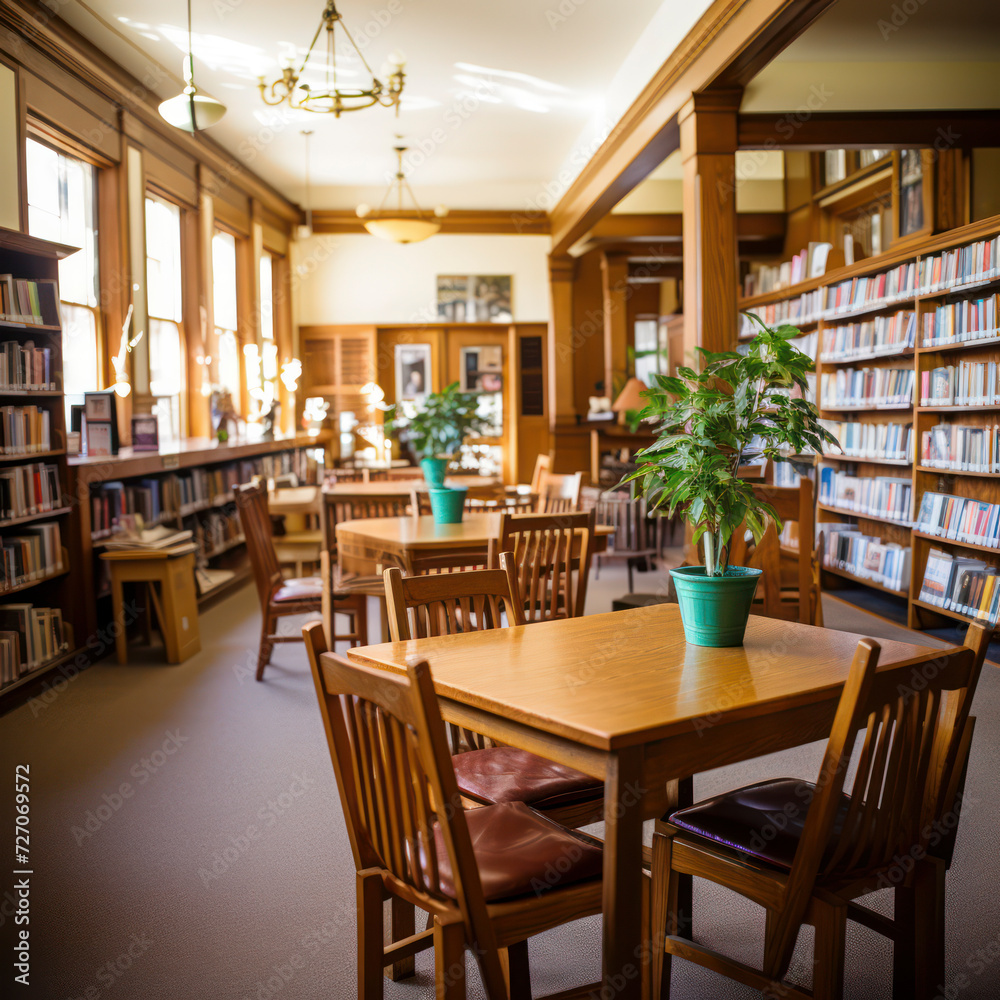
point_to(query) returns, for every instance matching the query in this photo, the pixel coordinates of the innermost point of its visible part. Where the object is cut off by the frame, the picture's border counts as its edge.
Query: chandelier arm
(312, 45)
(405, 183)
(350, 38)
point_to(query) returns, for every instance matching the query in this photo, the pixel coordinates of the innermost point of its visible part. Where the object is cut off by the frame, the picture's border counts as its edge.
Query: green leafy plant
(438, 429)
(739, 406)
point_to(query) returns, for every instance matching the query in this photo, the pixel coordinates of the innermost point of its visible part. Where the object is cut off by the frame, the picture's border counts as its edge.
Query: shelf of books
(39, 605)
(907, 350)
(188, 489)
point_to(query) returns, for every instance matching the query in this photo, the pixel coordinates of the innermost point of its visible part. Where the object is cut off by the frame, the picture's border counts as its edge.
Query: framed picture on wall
(482, 368)
(475, 298)
(413, 371)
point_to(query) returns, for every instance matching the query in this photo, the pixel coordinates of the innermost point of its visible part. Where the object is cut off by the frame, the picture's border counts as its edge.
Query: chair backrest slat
(340, 507)
(255, 520)
(559, 493)
(552, 553)
(443, 604)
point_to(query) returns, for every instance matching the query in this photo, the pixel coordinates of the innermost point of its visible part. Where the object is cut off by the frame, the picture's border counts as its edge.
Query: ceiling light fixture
(395, 226)
(333, 99)
(190, 110)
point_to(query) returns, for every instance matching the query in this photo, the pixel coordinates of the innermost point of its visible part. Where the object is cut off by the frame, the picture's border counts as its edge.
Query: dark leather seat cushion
(506, 774)
(303, 588)
(763, 821)
(520, 852)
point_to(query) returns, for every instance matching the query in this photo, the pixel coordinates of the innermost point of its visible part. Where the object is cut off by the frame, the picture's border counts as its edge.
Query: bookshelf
(38, 526)
(188, 485)
(880, 322)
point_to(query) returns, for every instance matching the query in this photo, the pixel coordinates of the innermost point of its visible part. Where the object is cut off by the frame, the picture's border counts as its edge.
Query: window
(648, 358)
(165, 303)
(62, 207)
(227, 370)
(266, 296)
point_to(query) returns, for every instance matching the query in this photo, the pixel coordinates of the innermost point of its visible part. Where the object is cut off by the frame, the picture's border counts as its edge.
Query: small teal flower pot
(715, 609)
(447, 505)
(434, 470)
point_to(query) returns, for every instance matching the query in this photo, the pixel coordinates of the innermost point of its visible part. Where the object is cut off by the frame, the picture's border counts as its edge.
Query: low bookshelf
(908, 378)
(41, 614)
(187, 486)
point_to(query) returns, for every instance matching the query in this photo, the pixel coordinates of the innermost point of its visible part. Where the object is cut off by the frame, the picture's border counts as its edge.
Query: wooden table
(622, 697)
(368, 545)
(401, 488)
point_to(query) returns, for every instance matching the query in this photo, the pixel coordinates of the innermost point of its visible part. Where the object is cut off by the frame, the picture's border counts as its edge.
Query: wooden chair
(829, 848)
(553, 554)
(558, 494)
(634, 541)
(341, 507)
(485, 882)
(475, 601)
(543, 465)
(279, 597)
(788, 596)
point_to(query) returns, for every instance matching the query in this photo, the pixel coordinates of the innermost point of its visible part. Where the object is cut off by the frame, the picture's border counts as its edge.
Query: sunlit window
(647, 350)
(165, 303)
(227, 370)
(266, 297)
(62, 208)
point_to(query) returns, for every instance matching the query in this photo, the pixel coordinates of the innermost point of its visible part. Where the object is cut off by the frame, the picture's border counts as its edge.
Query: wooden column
(614, 285)
(560, 382)
(711, 272)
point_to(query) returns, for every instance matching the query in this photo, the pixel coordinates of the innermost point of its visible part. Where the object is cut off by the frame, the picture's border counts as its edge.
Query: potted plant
(435, 432)
(740, 405)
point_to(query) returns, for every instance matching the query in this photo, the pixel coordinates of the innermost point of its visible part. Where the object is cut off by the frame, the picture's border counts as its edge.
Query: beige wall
(9, 191)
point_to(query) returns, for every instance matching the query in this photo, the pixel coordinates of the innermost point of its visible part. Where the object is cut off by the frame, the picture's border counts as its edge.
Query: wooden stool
(176, 605)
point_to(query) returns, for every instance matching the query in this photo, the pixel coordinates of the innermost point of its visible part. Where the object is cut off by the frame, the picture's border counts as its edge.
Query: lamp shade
(192, 111)
(629, 398)
(402, 230)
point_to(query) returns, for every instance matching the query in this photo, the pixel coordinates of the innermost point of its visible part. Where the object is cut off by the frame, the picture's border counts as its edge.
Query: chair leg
(361, 620)
(631, 570)
(449, 961)
(402, 917)
(370, 953)
(266, 646)
(828, 955)
(929, 927)
(518, 971)
(663, 916)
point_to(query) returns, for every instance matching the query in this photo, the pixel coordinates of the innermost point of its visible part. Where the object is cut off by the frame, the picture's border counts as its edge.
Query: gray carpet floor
(187, 840)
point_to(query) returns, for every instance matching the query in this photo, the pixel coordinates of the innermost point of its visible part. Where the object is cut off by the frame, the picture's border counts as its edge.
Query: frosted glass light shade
(402, 230)
(192, 112)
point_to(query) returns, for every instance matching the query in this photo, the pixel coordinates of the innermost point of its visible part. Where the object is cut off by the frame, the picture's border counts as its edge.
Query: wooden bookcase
(240, 460)
(802, 305)
(26, 257)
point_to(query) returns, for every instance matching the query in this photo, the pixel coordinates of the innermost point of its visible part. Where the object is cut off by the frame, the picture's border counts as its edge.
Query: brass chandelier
(400, 226)
(333, 99)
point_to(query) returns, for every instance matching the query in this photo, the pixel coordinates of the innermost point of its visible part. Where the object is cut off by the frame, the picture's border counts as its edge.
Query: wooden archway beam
(731, 42)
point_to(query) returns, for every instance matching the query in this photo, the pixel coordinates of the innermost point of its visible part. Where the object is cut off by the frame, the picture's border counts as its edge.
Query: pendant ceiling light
(190, 110)
(331, 98)
(395, 225)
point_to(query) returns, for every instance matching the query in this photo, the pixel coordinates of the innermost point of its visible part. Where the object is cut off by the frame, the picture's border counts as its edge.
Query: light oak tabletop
(402, 487)
(422, 532)
(628, 677)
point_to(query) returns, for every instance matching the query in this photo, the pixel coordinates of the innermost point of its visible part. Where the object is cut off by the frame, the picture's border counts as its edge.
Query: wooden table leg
(625, 954)
(118, 609)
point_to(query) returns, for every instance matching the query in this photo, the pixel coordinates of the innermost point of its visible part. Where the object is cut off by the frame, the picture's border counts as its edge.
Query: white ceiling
(496, 93)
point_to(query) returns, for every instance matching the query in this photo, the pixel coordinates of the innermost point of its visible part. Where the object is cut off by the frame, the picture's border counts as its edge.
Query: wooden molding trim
(41, 28)
(869, 129)
(732, 33)
(464, 221)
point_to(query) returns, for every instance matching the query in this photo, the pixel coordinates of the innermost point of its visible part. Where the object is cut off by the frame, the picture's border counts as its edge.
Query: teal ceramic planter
(434, 470)
(447, 505)
(715, 609)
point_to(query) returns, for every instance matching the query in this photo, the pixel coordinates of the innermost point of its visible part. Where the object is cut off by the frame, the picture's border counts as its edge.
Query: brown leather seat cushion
(764, 821)
(303, 588)
(519, 852)
(506, 774)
